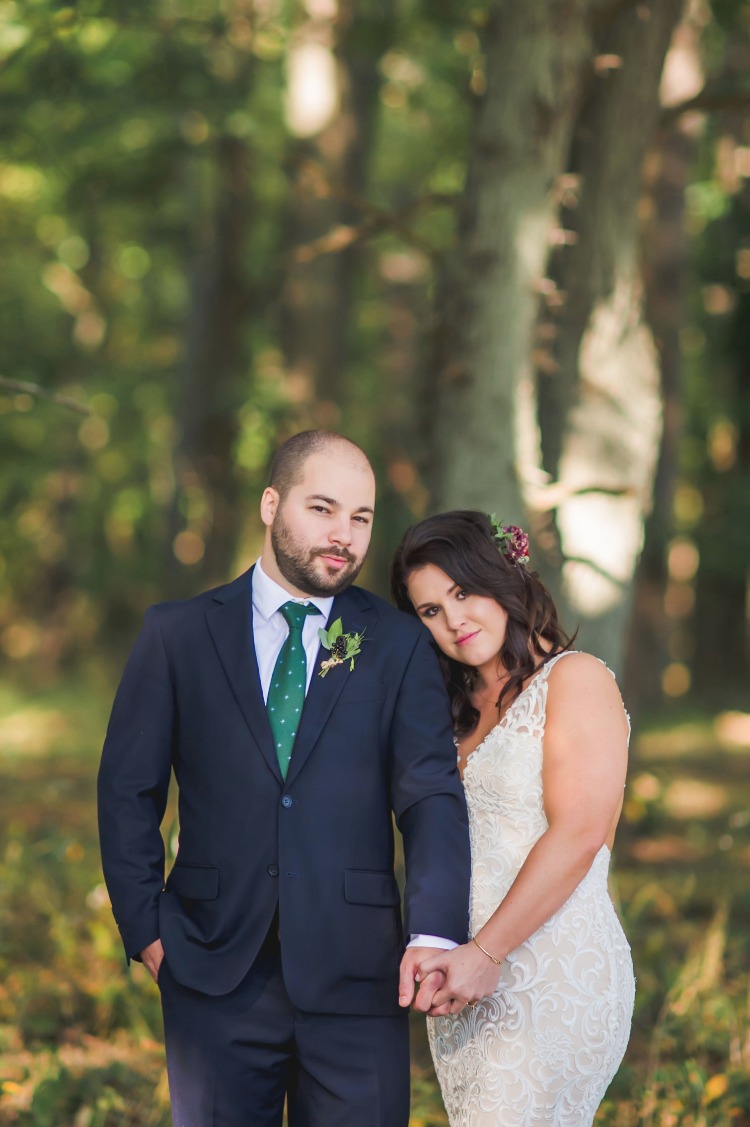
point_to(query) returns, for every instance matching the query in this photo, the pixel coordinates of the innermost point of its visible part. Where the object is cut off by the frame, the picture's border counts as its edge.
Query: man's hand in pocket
(152, 957)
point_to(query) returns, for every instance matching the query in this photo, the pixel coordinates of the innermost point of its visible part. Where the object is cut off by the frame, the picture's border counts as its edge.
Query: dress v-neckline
(501, 722)
(494, 728)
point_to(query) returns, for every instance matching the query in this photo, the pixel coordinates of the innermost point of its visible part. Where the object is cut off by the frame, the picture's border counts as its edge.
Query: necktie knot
(296, 613)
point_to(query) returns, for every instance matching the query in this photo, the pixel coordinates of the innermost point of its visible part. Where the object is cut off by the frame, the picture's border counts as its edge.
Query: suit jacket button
(273, 870)
(286, 801)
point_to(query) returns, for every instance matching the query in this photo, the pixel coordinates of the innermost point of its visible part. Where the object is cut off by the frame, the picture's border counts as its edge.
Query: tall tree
(535, 55)
(601, 444)
(332, 108)
(205, 518)
(571, 103)
(656, 637)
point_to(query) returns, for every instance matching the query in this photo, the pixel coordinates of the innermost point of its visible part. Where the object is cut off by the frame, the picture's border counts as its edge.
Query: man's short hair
(288, 462)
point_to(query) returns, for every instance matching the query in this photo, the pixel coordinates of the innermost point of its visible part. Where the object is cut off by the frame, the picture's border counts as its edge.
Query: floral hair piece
(511, 540)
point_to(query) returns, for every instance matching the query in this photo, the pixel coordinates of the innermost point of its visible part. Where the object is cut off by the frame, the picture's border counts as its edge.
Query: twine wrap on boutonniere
(342, 647)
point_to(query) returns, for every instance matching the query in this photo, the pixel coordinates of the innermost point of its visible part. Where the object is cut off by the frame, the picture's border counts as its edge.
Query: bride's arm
(583, 774)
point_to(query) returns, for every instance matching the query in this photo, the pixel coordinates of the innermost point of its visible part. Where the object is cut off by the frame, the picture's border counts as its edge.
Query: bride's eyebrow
(431, 604)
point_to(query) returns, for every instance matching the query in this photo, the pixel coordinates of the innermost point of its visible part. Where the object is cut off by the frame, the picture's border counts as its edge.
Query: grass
(80, 1038)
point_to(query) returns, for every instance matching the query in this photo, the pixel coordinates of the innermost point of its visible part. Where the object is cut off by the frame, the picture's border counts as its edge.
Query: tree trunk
(342, 52)
(601, 417)
(535, 57)
(205, 518)
(655, 638)
(721, 621)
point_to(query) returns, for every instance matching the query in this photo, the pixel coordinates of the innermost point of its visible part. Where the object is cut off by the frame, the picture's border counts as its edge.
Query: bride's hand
(469, 976)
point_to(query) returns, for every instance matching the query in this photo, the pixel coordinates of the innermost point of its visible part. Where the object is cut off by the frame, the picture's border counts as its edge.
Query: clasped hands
(445, 981)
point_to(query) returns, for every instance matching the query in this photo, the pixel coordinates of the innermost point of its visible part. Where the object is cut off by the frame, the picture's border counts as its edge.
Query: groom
(276, 940)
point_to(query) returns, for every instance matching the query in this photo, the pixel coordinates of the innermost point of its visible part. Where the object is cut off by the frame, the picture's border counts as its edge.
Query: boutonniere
(342, 647)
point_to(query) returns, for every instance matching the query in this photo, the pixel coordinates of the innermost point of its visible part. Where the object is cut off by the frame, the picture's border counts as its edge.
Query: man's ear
(269, 505)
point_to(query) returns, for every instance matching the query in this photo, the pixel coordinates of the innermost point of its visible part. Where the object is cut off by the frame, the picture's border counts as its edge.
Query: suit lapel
(230, 620)
(357, 613)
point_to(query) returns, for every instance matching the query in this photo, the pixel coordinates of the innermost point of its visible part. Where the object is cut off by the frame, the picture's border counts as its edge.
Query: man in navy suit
(277, 941)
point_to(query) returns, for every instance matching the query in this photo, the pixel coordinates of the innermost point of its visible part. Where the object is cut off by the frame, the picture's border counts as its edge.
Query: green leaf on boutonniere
(342, 647)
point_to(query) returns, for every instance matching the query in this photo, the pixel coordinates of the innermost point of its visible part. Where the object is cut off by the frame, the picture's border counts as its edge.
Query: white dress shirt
(270, 631)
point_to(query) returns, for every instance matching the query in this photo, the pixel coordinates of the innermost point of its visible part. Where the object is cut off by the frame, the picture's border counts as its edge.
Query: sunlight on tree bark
(312, 94)
(609, 460)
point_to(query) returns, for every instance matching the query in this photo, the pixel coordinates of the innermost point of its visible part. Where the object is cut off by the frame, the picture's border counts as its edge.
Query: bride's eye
(429, 612)
(462, 594)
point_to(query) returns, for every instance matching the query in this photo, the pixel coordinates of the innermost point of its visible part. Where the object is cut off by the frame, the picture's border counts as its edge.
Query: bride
(534, 1013)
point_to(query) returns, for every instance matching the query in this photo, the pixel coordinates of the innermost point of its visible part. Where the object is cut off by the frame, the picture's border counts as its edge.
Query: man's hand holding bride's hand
(468, 975)
(152, 957)
(428, 984)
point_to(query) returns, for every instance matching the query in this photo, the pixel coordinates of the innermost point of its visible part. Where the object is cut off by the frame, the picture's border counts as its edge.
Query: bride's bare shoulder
(580, 679)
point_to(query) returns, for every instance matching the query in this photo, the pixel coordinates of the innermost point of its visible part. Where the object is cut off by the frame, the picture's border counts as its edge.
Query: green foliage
(115, 1095)
(80, 1038)
(712, 507)
(113, 122)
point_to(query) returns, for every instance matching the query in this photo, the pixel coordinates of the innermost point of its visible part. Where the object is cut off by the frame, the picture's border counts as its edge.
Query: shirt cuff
(431, 941)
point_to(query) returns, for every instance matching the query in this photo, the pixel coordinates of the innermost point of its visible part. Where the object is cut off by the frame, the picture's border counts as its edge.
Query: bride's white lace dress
(544, 1047)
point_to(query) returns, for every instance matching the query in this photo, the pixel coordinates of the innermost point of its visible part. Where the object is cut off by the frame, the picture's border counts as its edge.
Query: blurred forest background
(506, 247)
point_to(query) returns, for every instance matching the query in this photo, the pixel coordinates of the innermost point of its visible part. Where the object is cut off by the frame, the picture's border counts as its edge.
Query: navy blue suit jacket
(372, 743)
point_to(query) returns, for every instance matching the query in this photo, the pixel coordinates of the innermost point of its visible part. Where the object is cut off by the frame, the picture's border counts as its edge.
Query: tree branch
(716, 96)
(599, 570)
(376, 221)
(21, 387)
(546, 498)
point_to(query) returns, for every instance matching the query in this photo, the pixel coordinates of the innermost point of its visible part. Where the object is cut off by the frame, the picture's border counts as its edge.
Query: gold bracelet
(497, 962)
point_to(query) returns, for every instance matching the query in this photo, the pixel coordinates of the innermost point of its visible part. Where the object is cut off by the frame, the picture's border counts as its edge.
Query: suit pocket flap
(363, 886)
(194, 882)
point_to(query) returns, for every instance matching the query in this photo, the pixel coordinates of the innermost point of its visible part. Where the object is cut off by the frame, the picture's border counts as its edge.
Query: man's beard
(296, 563)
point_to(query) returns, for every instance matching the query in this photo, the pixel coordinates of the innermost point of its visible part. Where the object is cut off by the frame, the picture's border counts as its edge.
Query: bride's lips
(466, 638)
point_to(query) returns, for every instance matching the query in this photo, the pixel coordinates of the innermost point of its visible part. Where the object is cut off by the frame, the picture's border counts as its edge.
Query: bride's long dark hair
(462, 544)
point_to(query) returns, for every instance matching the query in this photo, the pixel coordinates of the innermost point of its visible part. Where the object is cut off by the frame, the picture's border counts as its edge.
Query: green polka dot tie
(286, 694)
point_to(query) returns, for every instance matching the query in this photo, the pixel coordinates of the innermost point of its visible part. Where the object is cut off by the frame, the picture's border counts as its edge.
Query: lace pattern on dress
(544, 1047)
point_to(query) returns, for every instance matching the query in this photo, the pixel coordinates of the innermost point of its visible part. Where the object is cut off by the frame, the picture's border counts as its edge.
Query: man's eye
(320, 509)
(362, 520)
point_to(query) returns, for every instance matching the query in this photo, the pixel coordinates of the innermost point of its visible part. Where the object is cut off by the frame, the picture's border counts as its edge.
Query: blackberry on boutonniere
(342, 647)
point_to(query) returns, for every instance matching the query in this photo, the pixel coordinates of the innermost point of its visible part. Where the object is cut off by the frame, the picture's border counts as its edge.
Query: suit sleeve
(133, 785)
(428, 802)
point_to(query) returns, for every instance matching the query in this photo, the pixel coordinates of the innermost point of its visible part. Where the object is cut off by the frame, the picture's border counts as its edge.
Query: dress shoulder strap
(553, 660)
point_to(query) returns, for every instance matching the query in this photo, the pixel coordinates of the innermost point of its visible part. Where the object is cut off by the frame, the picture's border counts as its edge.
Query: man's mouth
(336, 560)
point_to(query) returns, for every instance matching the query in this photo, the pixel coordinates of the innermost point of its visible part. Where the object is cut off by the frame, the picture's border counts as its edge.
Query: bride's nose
(456, 619)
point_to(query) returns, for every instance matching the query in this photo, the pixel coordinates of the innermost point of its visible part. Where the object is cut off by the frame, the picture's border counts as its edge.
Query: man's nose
(340, 531)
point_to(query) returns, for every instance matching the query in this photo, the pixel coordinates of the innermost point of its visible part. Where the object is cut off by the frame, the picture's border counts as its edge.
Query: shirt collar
(269, 596)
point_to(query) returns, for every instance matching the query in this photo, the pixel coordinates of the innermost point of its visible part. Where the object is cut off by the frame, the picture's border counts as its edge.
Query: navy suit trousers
(233, 1059)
